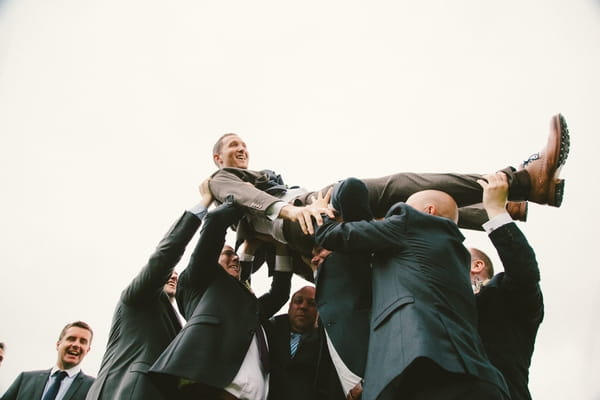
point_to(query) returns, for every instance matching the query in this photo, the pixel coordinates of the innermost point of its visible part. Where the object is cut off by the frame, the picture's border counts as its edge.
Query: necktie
(294, 342)
(263, 350)
(55, 385)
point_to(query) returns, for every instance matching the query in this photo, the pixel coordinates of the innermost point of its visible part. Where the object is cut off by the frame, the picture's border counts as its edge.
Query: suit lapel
(40, 383)
(74, 386)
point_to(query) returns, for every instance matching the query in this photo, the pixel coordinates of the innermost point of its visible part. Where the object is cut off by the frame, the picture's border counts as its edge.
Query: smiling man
(221, 352)
(287, 213)
(145, 318)
(65, 380)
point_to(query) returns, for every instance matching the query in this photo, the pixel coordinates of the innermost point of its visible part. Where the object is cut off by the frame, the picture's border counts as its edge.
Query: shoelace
(531, 159)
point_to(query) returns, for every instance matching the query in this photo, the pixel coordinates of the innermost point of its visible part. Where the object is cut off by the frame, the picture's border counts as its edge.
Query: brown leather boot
(517, 210)
(544, 167)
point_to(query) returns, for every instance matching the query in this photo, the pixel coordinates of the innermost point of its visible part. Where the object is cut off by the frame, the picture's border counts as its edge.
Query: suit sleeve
(13, 391)
(204, 261)
(522, 274)
(240, 185)
(151, 279)
(362, 236)
(278, 294)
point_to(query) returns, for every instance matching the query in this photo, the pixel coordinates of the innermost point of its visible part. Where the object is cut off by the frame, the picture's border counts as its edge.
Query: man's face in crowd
(233, 153)
(73, 347)
(302, 311)
(171, 285)
(230, 261)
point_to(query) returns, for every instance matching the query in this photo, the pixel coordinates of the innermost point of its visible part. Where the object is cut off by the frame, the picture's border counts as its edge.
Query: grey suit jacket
(30, 386)
(144, 322)
(423, 304)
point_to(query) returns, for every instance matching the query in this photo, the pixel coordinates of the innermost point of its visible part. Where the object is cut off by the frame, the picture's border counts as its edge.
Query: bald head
(434, 202)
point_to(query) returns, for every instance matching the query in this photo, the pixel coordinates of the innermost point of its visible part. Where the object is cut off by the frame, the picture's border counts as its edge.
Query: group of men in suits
(397, 315)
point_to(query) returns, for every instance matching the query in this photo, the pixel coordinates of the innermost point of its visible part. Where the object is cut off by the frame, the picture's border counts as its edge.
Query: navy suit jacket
(511, 309)
(144, 322)
(222, 314)
(343, 295)
(423, 304)
(30, 386)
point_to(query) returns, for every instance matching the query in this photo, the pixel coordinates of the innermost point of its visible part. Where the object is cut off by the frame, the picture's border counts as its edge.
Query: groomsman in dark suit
(343, 294)
(221, 353)
(302, 367)
(145, 318)
(64, 381)
(510, 303)
(423, 341)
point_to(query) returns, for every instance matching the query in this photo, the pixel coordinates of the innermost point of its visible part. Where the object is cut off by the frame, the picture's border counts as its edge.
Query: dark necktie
(294, 342)
(53, 389)
(263, 350)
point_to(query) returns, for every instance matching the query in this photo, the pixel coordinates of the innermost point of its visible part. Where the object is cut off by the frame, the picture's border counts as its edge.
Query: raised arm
(204, 261)
(521, 272)
(362, 236)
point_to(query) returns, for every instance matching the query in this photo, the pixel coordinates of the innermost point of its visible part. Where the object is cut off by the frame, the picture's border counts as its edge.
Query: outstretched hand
(206, 195)
(303, 215)
(495, 193)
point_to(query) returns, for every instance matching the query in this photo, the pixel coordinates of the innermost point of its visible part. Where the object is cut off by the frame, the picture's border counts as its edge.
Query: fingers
(328, 195)
(302, 223)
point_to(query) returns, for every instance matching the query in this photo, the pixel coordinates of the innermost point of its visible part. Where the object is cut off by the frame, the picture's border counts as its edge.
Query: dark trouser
(386, 191)
(425, 380)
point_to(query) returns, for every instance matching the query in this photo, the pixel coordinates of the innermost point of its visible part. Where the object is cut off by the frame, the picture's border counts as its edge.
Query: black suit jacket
(144, 322)
(309, 374)
(30, 386)
(423, 304)
(222, 314)
(511, 309)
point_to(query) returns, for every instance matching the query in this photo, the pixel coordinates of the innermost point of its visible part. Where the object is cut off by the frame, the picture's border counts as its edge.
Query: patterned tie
(294, 342)
(55, 385)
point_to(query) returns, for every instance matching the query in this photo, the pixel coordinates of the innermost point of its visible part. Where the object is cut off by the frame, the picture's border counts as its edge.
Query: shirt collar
(71, 372)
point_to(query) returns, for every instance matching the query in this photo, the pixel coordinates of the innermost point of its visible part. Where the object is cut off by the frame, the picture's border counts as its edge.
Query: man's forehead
(233, 138)
(308, 292)
(75, 331)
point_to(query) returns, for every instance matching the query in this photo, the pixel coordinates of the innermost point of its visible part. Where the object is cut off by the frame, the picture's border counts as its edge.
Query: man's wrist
(497, 221)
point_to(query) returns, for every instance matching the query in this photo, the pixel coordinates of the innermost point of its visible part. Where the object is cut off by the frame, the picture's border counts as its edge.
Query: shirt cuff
(283, 264)
(199, 211)
(272, 212)
(496, 222)
(246, 257)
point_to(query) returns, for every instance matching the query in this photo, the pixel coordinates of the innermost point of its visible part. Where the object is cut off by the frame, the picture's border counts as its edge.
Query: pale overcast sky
(109, 110)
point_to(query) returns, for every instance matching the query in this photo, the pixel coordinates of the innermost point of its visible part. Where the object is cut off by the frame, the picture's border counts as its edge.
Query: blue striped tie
(294, 342)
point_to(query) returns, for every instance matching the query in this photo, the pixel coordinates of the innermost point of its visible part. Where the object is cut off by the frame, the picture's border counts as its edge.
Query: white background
(109, 110)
